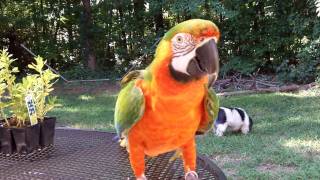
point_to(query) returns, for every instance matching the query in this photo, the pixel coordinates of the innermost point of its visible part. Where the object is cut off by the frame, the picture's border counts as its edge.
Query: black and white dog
(235, 119)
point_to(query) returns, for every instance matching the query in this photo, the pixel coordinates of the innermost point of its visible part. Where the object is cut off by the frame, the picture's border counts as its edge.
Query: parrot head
(189, 50)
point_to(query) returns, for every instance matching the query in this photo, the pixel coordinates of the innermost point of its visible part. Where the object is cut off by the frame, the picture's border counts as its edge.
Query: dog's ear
(250, 124)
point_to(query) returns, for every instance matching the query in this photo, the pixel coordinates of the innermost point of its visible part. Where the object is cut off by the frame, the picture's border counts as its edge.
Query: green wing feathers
(129, 107)
(211, 109)
(213, 104)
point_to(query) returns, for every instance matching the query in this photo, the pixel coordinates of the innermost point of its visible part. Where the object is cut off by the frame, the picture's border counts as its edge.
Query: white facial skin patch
(183, 47)
(181, 63)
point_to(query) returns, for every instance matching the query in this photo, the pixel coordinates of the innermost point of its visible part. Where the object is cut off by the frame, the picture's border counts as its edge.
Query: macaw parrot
(162, 108)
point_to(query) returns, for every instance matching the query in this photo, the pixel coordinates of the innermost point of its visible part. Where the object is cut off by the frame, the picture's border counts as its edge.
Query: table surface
(80, 154)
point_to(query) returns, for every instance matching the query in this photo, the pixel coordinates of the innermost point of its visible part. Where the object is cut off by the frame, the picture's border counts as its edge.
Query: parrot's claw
(123, 143)
(191, 175)
(142, 177)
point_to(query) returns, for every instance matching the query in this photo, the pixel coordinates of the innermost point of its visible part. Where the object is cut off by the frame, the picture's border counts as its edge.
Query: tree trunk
(69, 27)
(207, 9)
(109, 49)
(87, 27)
(158, 18)
(17, 51)
(138, 7)
(186, 15)
(123, 36)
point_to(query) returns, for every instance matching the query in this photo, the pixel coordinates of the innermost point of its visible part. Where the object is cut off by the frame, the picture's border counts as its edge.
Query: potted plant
(6, 145)
(6, 85)
(25, 133)
(44, 103)
(28, 102)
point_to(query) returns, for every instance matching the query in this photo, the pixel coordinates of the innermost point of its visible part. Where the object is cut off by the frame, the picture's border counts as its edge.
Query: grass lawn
(284, 144)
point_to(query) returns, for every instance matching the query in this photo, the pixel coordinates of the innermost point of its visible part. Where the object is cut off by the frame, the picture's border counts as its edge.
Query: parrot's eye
(182, 43)
(179, 39)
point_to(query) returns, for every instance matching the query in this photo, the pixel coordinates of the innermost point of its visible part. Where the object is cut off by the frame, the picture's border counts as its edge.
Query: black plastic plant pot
(47, 131)
(6, 141)
(26, 139)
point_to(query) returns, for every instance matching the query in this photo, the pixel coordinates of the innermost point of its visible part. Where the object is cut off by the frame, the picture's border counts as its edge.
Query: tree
(274, 36)
(88, 35)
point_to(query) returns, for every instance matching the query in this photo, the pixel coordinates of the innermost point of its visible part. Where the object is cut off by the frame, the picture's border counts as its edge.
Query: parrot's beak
(206, 60)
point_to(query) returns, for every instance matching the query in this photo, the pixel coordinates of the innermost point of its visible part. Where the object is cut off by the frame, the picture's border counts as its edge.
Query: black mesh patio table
(80, 154)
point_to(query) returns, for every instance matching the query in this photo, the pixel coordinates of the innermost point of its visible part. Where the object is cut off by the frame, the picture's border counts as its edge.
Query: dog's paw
(219, 133)
(245, 130)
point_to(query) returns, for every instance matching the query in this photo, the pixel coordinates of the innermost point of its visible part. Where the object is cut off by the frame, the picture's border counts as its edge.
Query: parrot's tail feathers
(176, 155)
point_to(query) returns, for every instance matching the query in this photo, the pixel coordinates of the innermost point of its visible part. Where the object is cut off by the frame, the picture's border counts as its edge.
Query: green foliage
(42, 87)
(17, 106)
(306, 67)
(238, 64)
(3, 104)
(7, 81)
(80, 72)
(266, 35)
(15, 99)
(7, 73)
(37, 85)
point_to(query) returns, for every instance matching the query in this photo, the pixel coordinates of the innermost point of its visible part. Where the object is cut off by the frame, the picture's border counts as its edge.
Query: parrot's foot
(191, 175)
(123, 142)
(142, 177)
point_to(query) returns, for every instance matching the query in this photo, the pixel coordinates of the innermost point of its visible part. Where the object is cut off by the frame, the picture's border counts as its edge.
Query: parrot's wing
(210, 113)
(129, 107)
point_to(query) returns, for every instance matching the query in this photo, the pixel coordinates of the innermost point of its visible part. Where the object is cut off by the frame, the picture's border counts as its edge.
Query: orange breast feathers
(172, 113)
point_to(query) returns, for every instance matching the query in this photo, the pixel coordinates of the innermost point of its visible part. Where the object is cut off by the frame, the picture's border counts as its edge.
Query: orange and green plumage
(156, 113)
